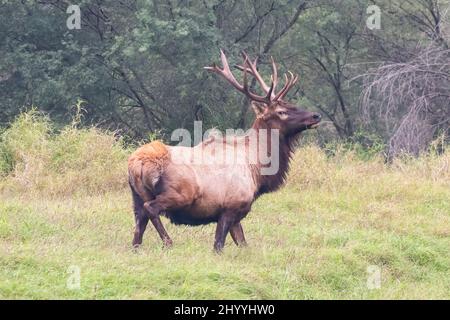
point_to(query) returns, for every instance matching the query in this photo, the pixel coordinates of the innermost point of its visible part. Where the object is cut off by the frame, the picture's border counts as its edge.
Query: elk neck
(269, 183)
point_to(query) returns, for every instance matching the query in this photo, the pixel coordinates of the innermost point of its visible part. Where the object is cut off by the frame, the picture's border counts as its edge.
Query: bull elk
(165, 180)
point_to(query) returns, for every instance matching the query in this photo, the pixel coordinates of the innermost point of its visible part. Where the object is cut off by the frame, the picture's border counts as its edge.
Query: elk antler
(290, 81)
(250, 67)
(226, 73)
(254, 72)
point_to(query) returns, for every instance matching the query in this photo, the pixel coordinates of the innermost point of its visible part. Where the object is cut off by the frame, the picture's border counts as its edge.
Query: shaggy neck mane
(269, 183)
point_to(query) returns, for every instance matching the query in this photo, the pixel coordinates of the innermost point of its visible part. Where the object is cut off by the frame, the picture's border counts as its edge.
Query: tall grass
(312, 167)
(34, 157)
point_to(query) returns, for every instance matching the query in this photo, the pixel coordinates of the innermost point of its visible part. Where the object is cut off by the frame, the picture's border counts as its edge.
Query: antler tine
(255, 73)
(225, 71)
(274, 78)
(224, 60)
(251, 68)
(245, 76)
(288, 85)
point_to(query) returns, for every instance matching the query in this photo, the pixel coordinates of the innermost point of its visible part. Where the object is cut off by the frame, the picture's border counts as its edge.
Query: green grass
(317, 238)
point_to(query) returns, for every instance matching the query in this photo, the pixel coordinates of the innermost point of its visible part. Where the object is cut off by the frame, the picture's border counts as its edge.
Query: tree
(409, 93)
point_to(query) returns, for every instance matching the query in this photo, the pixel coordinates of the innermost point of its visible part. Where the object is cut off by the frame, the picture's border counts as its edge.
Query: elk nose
(317, 116)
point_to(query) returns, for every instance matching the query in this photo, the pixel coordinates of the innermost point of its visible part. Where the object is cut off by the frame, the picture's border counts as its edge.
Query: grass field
(339, 225)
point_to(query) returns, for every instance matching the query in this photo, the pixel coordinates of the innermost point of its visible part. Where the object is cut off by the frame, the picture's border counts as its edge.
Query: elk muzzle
(315, 119)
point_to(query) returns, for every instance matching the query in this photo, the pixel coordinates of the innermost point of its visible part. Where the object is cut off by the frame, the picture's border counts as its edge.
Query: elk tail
(145, 168)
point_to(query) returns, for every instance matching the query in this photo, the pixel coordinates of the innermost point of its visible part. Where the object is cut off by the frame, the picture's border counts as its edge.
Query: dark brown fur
(270, 183)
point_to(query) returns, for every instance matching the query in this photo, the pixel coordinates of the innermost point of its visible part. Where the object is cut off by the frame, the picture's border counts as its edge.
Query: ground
(361, 231)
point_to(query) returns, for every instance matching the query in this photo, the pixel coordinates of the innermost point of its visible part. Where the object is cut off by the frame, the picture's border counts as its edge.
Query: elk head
(272, 111)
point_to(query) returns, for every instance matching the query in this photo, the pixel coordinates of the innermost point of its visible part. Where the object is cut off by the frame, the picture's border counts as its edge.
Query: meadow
(343, 227)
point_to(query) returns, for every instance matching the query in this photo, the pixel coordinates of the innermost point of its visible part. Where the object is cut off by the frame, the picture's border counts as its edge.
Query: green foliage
(155, 135)
(138, 65)
(78, 113)
(365, 145)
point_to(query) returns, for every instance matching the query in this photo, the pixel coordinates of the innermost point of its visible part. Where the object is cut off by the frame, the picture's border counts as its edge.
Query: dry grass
(35, 158)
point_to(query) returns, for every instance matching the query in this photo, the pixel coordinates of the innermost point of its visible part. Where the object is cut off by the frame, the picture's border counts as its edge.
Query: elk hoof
(218, 250)
(167, 243)
(135, 248)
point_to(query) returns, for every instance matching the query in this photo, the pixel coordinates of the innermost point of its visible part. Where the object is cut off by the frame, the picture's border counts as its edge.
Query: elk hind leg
(140, 217)
(154, 210)
(237, 233)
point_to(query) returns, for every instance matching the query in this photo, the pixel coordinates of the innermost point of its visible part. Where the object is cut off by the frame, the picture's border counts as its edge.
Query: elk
(165, 180)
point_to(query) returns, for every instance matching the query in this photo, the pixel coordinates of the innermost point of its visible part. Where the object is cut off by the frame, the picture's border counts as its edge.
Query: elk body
(166, 180)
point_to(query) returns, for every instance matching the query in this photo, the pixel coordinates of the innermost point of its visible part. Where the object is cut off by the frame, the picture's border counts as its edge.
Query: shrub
(36, 158)
(24, 147)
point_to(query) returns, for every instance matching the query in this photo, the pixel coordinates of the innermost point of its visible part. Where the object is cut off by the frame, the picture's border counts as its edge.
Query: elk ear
(258, 108)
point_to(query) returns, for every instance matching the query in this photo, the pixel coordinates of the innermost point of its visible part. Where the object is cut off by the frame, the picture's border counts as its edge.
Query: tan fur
(145, 167)
(212, 180)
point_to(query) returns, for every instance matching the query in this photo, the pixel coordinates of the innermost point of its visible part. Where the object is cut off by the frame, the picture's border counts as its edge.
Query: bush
(36, 158)
(24, 146)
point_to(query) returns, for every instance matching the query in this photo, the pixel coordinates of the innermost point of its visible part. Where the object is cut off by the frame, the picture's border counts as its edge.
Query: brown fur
(145, 167)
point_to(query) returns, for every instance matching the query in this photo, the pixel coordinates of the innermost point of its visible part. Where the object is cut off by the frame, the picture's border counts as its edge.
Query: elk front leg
(223, 226)
(237, 233)
(154, 210)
